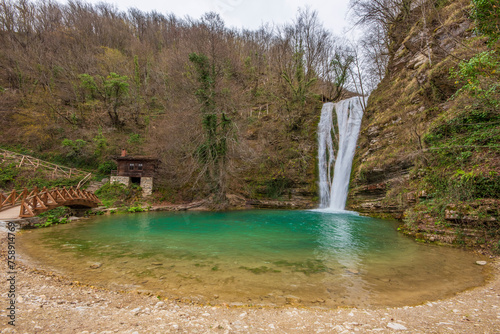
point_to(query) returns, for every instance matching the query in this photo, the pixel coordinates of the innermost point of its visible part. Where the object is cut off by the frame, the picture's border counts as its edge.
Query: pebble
(481, 263)
(396, 326)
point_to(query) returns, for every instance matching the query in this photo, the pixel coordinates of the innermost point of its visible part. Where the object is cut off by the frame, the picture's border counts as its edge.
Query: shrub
(134, 209)
(106, 167)
(8, 174)
(111, 193)
(486, 14)
(277, 186)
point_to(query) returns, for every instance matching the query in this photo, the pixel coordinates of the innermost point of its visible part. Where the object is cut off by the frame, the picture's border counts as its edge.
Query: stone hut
(135, 169)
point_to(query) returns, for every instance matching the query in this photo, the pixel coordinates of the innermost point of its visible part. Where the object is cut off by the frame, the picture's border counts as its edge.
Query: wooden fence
(55, 170)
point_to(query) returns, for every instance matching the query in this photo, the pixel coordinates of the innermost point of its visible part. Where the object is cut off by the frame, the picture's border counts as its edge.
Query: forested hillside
(226, 111)
(233, 114)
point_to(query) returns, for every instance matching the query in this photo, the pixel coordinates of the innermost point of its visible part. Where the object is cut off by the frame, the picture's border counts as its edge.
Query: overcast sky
(246, 13)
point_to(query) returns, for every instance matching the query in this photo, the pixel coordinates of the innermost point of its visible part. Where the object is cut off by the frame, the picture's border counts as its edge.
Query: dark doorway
(135, 180)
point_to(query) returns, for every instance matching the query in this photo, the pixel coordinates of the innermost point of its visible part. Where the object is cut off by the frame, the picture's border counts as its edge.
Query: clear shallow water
(255, 257)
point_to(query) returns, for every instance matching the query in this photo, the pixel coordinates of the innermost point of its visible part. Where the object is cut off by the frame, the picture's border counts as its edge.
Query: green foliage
(116, 86)
(461, 185)
(471, 127)
(486, 14)
(110, 91)
(76, 152)
(112, 192)
(54, 217)
(8, 174)
(212, 152)
(101, 143)
(480, 77)
(470, 186)
(299, 84)
(118, 194)
(134, 138)
(106, 167)
(137, 75)
(134, 209)
(12, 177)
(28, 181)
(76, 147)
(87, 82)
(276, 187)
(57, 212)
(496, 249)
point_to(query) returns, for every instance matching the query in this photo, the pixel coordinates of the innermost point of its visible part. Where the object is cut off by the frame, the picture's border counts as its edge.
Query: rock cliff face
(411, 96)
(417, 142)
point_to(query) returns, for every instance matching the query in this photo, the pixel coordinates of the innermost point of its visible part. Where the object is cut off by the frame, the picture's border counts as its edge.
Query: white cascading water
(333, 193)
(326, 155)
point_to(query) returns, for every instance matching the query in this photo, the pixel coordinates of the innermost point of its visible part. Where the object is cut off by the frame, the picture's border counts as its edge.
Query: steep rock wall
(428, 150)
(413, 94)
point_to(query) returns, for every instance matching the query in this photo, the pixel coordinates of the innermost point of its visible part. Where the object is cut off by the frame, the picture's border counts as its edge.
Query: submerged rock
(292, 300)
(96, 265)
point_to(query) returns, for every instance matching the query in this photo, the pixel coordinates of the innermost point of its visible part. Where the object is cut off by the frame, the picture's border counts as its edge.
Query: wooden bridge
(35, 202)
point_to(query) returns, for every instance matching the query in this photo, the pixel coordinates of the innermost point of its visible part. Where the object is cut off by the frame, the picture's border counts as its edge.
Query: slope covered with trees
(233, 114)
(226, 111)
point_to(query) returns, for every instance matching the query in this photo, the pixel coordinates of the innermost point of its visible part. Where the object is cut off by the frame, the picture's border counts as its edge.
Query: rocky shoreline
(51, 303)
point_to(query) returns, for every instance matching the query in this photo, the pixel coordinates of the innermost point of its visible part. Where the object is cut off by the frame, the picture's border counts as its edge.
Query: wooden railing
(34, 202)
(84, 180)
(11, 199)
(35, 163)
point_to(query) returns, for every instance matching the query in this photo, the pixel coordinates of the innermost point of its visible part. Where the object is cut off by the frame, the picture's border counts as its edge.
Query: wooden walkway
(35, 202)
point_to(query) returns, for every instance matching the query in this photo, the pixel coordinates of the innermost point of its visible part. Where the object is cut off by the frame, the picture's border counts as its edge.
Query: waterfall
(326, 155)
(333, 192)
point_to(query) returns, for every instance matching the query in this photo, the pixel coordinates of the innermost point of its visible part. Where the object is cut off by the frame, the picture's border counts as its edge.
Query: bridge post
(43, 196)
(35, 198)
(23, 202)
(13, 196)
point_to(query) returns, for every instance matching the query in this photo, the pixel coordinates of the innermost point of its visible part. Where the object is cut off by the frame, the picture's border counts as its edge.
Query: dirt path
(47, 303)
